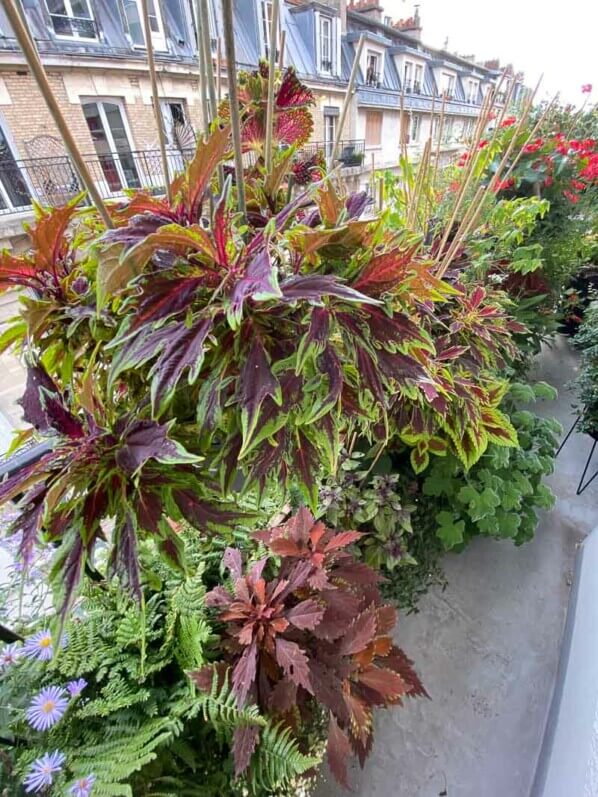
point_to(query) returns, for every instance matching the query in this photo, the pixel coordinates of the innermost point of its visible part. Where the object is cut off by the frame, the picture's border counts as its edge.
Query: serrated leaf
(293, 661)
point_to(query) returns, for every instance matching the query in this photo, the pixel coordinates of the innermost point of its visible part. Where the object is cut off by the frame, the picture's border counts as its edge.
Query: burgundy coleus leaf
(59, 417)
(17, 272)
(172, 548)
(338, 751)
(71, 573)
(385, 271)
(176, 240)
(342, 539)
(163, 297)
(28, 523)
(219, 596)
(23, 479)
(400, 663)
(327, 684)
(359, 634)
(388, 687)
(256, 382)
(137, 228)
(31, 401)
(245, 739)
(183, 350)
(244, 673)
(145, 440)
(283, 697)
(292, 93)
(203, 514)
(149, 508)
(207, 156)
(294, 126)
(232, 562)
(305, 615)
(293, 661)
(356, 203)
(371, 375)
(124, 558)
(330, 365)
(49, 238)
(258, 283)
(314, 287)
(139, 347)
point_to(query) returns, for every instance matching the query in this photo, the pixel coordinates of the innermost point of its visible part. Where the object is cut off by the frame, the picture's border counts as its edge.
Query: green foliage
(586, 384)
(501, 495)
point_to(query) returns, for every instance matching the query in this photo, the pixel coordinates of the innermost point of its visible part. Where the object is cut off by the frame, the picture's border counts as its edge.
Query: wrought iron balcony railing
(74, 27)
(372, 78)
(351, 152)
(53, 181)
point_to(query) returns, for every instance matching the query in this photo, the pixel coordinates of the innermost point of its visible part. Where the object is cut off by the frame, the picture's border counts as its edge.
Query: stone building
(94, 53)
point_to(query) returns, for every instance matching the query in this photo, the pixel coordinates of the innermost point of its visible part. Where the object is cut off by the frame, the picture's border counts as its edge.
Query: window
(372, 73)
(211, 25)
(415, 128)
(408, 75)
(373, 128)
(435, 128)
(448, 84)
(329, 133)
(266, 12)
(106, 123)
(418, 79)
(135, 28)
(448, 130)
(325, 44)
(472, 90)
(13, 188)
(467, 129)
(72, 19)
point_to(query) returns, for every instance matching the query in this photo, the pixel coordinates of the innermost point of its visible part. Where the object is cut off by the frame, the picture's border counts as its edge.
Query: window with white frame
(468, 129)
(179, 134)
(408, 75)
(14, 192)
(472, 90)
(72, 19)
(109, 131)
(325, 45)
(448, 130)
(448, 84)
(135, 28)
(418, 79)
(266, 24)
(415, 128)
(211, 24)
(372, 72)
(329, 133)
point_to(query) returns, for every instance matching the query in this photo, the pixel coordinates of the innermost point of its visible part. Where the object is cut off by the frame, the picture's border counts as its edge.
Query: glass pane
(102, 146)
(11, 176)
(80, 9)
(56, 7)
(134, 22)
(121, 143)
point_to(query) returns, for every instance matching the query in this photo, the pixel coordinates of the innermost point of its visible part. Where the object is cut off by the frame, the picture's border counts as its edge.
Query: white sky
(550, 37)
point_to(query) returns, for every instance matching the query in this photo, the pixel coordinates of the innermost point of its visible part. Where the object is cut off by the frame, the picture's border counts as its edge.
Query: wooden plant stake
(283, 39)
(207, 56)
(271, 80)
(231, 72)
(155, 98)
(203, 88)
(34, 63)
(219, 70)
(347, 101)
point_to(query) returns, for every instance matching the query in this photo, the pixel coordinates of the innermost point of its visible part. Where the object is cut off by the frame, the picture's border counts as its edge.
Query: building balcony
(74, 27)
(413, 87)
(372, 78)
(54, 181)
(351, 152)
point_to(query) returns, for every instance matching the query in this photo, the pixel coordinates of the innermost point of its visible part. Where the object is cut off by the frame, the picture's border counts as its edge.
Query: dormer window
(72, 19)
(448, 85)
(325, 45)
(135, 27)
(372, 72)
(418, 79)
(472, 90)
(408, 76)
(266, 14)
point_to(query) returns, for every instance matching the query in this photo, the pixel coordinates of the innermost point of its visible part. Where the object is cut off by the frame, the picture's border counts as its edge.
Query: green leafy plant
(586, 384)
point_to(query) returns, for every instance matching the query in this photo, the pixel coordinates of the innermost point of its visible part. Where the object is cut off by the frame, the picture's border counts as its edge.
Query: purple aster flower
(41, 771)
(83, 786)
(40, 646)
(10, 654)
(47, 708)
(74, 688)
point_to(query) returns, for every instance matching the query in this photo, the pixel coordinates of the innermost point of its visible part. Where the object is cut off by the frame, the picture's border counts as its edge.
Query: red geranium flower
(534, 146)
(548, 181)
(577, 185)
(573, 198)
(510, 120)
(483, 143)
(504, 184)
(586, 88)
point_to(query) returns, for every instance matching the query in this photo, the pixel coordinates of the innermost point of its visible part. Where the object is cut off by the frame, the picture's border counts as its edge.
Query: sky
(557, 39)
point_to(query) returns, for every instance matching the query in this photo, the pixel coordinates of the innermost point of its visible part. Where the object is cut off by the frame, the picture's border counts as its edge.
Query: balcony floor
(487, 648)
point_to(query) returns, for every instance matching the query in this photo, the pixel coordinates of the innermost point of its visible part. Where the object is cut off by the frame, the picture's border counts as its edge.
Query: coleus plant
(316, 630)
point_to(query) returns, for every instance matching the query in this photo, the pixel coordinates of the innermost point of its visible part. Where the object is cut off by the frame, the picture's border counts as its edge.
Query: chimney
(411, 26)
(368, 8)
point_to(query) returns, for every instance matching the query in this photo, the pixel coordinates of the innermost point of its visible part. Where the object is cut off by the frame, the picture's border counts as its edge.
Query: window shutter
(373, 128)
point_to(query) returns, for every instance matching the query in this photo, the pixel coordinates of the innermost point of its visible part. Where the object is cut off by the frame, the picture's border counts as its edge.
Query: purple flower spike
(83, 786)
(42, 770)
(47, 708)
(10, 655)
(74, 688)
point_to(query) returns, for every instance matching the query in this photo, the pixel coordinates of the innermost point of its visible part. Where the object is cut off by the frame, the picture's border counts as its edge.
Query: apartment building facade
(94, 52)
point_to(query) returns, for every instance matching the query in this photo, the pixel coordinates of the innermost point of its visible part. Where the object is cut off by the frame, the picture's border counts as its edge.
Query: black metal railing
(351, 152)
(53, 181)
(326, 65)
(372, 78)
(414, 87)
(75, 27)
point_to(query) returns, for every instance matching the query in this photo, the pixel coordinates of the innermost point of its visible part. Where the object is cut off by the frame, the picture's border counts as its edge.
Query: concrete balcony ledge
(568, 762)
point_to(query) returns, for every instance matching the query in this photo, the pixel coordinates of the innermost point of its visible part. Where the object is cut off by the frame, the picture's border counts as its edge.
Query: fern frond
(219, 708)
(277, 760)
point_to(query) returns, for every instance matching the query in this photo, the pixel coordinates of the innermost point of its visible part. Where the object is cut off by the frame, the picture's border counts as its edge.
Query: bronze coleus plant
(317, 630)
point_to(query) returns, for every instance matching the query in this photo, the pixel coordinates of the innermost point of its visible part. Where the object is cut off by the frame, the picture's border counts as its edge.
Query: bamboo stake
(231, 72)
(271, 79)
(381, 192)
(283, 39)
(463, 230)
(156, 101)
(208, 65)
(418, 188)
(203, 89)
(347, 100)
(403, 150)
(34, 63)
(219, 70)
(373, 176)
